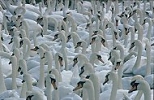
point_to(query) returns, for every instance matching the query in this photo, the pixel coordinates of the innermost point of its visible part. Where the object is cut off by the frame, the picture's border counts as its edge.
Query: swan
(115, 93)
(41, 51)
(96, 83)
(88, 88)
(148, 20)
(146, 69)
(140, 84)
(63, 49)
(26, 47)
(82, 44)
(139, 58)
(50, 82)
(13, 60)
(35, 95)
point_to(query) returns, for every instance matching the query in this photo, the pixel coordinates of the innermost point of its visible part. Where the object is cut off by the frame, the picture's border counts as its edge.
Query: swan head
(35, 48)
(136, 80)
(109, 76)
(59, 57)
(39, 20)
(52, 80)
(79, 44)
(93, 39)
(96, 56)
(79, 85)
(68, 37)
(86, 69)
(55, 36)
(75, 60)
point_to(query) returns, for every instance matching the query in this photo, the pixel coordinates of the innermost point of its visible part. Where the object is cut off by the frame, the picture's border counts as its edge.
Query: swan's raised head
(79, 85)
(52, 80)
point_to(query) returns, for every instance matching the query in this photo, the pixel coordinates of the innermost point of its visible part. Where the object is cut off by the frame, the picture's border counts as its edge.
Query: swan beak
(53, 82)
(54, 85)
(101, 60)
(133, 88)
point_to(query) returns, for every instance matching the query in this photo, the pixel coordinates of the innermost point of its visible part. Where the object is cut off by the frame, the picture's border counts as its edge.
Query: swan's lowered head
(138, 83)
(79, 58)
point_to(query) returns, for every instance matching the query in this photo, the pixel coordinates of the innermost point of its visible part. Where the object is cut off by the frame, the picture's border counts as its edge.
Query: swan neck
(90, 92)
(114, 87)
(146, 91)
(14, 64)
(148, 52)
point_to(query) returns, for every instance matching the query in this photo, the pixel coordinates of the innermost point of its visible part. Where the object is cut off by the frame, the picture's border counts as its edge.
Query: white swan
(88, 88)
(140, 60)
(142, 85)
(13, 60)
(114, 93)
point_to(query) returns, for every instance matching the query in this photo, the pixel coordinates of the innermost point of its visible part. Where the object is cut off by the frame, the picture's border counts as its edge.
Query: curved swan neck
(90, 90)
(139, 47)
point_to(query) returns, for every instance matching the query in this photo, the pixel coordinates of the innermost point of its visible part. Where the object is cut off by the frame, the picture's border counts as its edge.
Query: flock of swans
(76, 50)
